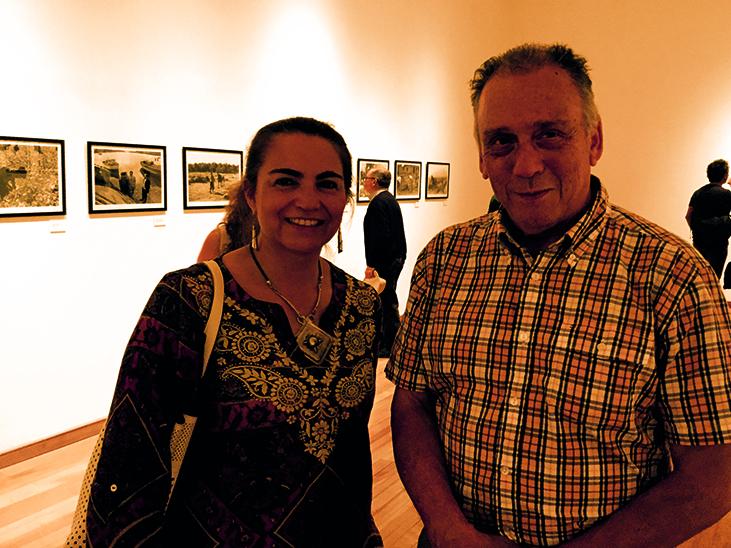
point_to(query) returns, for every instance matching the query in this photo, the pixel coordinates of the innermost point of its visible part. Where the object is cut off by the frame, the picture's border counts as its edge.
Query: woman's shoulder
(355, 287)
(193, 285)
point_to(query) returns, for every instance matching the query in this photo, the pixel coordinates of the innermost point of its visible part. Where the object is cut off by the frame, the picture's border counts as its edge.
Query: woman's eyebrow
(329, 175)
(286, 171)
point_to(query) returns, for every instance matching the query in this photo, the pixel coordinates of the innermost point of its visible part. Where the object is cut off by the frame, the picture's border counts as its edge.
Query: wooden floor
(38, 496)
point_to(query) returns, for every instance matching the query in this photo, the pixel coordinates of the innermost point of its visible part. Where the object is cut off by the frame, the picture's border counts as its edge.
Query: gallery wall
(390, 75)
(197, 74)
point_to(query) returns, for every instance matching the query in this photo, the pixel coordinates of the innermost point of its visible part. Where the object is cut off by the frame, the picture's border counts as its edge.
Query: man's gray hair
(530, 57)
(382, 176)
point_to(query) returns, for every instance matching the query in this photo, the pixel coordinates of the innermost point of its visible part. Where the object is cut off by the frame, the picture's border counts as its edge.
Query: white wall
(202, 74)
(391, 75)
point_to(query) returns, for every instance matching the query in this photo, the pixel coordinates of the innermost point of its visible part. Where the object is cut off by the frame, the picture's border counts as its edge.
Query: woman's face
(300, 194)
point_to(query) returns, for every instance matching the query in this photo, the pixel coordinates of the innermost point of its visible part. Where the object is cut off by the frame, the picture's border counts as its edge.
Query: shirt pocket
(597, 379)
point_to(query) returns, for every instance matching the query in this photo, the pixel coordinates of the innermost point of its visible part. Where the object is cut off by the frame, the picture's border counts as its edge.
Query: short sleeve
(695, 393)
(406, 366)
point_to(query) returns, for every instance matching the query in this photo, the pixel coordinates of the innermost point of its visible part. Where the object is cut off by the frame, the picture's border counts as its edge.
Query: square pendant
(313, 341)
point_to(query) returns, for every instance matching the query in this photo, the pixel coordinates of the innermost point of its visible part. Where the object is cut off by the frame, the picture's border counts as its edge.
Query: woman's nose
(307, 198)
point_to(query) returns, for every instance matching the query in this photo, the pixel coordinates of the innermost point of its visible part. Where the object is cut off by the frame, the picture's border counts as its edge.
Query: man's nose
(528, 161)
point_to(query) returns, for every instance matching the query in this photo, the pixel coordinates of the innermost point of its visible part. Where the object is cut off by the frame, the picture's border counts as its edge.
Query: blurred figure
(708, 216)
(385, 247)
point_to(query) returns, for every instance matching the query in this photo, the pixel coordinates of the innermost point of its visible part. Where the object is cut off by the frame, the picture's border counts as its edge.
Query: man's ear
(483, 167)
(596, 143)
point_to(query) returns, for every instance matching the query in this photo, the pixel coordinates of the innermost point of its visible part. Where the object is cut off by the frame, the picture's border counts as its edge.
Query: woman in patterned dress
(280, 454)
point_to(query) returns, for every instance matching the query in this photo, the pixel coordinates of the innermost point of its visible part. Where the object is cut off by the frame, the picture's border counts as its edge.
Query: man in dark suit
(385, 247)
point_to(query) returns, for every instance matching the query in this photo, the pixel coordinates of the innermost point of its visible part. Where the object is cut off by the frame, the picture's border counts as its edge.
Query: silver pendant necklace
(313, 341)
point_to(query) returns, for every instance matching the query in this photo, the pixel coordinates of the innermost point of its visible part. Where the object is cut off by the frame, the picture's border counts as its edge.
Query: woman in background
(280, 455)
(231, 233)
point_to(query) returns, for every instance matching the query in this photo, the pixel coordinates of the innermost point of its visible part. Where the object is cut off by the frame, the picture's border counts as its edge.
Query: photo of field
(209, 175)
(31, 177)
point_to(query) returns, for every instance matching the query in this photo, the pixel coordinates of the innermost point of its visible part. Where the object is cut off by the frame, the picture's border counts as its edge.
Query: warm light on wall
(299, 67)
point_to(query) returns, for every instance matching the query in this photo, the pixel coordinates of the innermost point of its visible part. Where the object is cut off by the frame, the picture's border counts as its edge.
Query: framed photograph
(437, 181)
(125, 177)
(32, 179)
(407, 179)
(208, 174)
(364, 166)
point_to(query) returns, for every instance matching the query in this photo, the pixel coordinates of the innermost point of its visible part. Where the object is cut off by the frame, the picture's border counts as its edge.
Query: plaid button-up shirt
(561, 379)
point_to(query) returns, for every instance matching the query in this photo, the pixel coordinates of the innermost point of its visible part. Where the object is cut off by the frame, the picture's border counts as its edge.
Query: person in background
(563, 369)
(124, 183)
(132, 184)
(231, 233)
(145, 185)
(385, 247)
(708, 216)
(280, 453)
(494, 204)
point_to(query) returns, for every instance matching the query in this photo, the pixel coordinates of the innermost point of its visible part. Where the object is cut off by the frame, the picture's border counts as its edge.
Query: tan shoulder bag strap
(183, 432)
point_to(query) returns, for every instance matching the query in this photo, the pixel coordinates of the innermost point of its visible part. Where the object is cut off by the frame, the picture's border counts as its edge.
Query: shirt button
(523, 336)
(536, 277)
(505, 470)
(514, 401)
(113, 488)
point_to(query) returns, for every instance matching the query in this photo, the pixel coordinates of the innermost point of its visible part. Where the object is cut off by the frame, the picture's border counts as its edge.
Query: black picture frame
(112, 190)
(436, 181)
(364, 166)
(208, 175)
(32, 177)
(407, 180)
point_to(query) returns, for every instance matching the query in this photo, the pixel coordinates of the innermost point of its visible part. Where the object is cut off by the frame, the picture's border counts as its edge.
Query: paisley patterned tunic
(280, 455)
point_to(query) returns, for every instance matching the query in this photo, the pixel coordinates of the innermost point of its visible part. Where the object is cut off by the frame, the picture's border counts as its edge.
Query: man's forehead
(546, 95)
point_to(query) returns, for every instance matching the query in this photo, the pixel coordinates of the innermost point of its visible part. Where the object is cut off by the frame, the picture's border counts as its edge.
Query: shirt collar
(576, 238)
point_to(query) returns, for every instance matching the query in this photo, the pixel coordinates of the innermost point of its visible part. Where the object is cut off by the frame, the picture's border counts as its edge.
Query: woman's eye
(328, 184)
(285, 182)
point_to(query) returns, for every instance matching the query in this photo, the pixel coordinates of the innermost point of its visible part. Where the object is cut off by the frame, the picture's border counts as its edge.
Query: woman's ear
(250, 197)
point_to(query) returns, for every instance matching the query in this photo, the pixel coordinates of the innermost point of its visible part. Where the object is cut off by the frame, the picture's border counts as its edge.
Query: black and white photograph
(125, 177)
(437, 180)
(407, 180)
(364, 166)
(208, 175)
(32, 179)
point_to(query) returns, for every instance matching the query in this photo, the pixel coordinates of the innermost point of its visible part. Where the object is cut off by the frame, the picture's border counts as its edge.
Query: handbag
(182, 432)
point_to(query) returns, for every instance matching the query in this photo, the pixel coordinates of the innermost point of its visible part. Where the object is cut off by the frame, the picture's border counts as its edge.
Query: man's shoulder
(384, 198)
(636, 225)
(466, 231)
(711, 189)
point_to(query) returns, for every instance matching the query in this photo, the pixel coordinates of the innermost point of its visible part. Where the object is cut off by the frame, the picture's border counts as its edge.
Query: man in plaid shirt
(563, 369)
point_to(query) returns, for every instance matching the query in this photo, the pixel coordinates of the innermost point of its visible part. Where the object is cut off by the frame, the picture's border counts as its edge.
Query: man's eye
(550, 138)
(499, 148)
(500, 145)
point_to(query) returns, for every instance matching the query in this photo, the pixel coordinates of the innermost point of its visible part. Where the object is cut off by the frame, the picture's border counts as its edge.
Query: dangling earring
(340, 240)
(254, 244)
